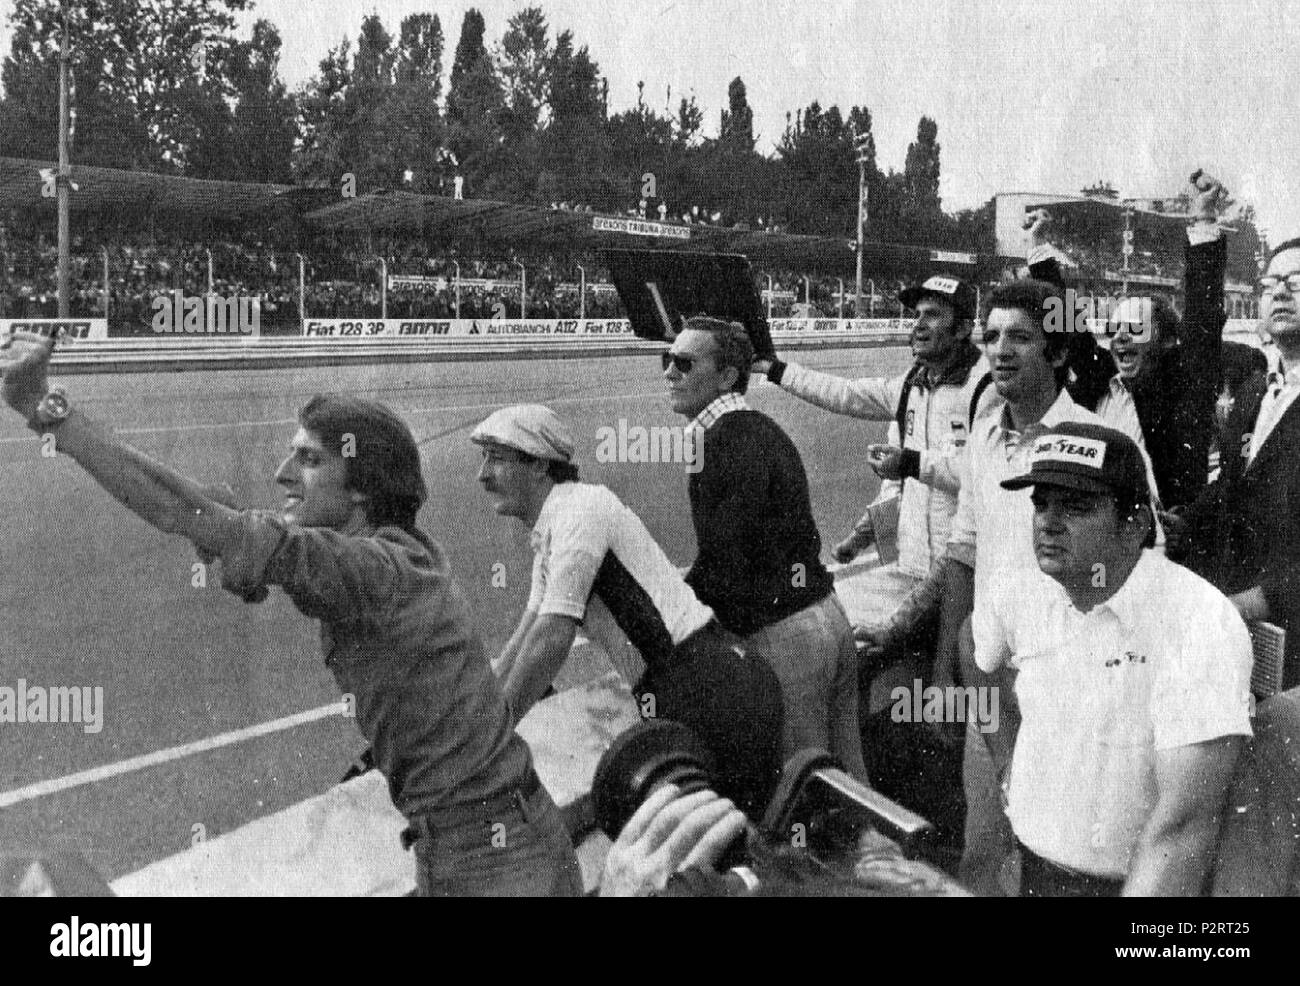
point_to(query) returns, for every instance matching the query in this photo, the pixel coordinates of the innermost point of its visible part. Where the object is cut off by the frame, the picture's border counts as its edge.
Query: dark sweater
(759, 550)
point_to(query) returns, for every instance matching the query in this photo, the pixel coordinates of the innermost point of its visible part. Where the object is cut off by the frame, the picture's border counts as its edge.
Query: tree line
(166, 86)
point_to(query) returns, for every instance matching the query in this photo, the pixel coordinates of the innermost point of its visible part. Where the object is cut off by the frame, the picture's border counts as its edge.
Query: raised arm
(159, 495)
(870, 398)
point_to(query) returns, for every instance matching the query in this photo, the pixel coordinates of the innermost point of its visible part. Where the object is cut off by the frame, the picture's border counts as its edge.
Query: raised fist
(1209, 197)
(24, 361)
(1037, 224)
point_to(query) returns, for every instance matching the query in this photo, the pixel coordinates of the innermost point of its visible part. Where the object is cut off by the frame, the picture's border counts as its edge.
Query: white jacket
(936, 428)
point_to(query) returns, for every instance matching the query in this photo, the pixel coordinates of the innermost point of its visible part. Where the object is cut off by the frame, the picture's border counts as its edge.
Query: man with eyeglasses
(1164, 371)
(759, 560)
(1131, 682)
(1243, 532)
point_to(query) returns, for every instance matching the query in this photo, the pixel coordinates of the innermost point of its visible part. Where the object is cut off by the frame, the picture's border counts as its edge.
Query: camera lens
(642, 760)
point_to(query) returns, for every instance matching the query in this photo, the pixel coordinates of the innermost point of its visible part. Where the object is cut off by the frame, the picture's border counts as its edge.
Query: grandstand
(311, 251)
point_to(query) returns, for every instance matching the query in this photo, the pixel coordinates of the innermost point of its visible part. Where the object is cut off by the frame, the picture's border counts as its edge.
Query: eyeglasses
(683, 364)
(1269, 283)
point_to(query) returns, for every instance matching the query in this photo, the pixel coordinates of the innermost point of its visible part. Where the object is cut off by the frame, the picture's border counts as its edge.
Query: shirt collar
(1280, 384)
(1131, 603)
(957, 373)
(1000, 427)
(723, 404)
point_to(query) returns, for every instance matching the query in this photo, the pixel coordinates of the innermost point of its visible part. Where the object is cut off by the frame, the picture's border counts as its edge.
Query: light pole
(1128, 244)
(523, 289)
(841, 311)
(103, 252)
(861, 145)
(210, 278)
(582, 291)
(456, 264)
(64, 176)
(807, 301)
(302, 287)
(872, 302)
(383, 287)
(769, 297)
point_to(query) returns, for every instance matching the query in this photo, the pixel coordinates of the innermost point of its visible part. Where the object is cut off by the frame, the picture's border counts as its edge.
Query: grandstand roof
(512, 224)
(141, 194)
(1091, 208)
(110, 189)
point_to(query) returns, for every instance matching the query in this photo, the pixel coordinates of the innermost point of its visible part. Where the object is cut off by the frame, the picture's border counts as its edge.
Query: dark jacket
(1244, 530)
(1175, 400)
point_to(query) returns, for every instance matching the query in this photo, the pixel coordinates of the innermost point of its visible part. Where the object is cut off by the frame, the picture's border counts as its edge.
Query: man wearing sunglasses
(759, 566)
(1243, 532)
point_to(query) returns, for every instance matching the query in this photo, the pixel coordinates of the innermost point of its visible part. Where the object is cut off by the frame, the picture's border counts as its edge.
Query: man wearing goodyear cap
(596, 564)
(1132, 683)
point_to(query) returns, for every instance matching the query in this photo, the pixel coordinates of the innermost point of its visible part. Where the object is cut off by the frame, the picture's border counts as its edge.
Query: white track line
(107, 771)
(164, 429)
(132, 764)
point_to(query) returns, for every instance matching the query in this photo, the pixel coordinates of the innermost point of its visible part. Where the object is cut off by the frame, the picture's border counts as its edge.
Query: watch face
(54, 407)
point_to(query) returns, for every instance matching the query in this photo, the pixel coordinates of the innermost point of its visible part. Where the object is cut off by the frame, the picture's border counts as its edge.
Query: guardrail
(173, 353)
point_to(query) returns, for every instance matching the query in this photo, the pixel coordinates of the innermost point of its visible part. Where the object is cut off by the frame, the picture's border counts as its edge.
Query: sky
(1029, 95)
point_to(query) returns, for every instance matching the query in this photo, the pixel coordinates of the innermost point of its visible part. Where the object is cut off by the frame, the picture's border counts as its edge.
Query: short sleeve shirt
(595, 562)
(1163, 663)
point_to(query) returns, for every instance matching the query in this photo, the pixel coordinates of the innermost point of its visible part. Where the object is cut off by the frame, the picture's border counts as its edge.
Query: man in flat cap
(1132, 682)
(595, 564)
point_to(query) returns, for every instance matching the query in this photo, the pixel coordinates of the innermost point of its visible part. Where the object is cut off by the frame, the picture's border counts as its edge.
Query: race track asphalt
(93, 597)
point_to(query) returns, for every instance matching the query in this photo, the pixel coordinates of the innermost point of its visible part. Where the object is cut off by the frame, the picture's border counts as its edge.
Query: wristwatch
(53, 409)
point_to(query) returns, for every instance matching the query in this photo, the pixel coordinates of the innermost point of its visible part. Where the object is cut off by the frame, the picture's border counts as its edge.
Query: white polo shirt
(1163, 663)
(595, 561)
(992, 531)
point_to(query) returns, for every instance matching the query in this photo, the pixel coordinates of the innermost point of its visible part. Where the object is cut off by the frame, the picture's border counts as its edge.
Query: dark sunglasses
(683, 364)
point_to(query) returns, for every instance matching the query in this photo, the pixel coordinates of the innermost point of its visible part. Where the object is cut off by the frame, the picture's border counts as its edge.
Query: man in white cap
(596, 564)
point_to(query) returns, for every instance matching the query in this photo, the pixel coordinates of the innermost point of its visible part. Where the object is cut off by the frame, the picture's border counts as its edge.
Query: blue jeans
(522, 852)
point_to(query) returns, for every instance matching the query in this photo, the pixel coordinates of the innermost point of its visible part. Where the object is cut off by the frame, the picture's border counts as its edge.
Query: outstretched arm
(159, 495)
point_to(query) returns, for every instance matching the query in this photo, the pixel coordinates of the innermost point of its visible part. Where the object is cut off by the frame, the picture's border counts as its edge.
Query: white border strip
(96, 774)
